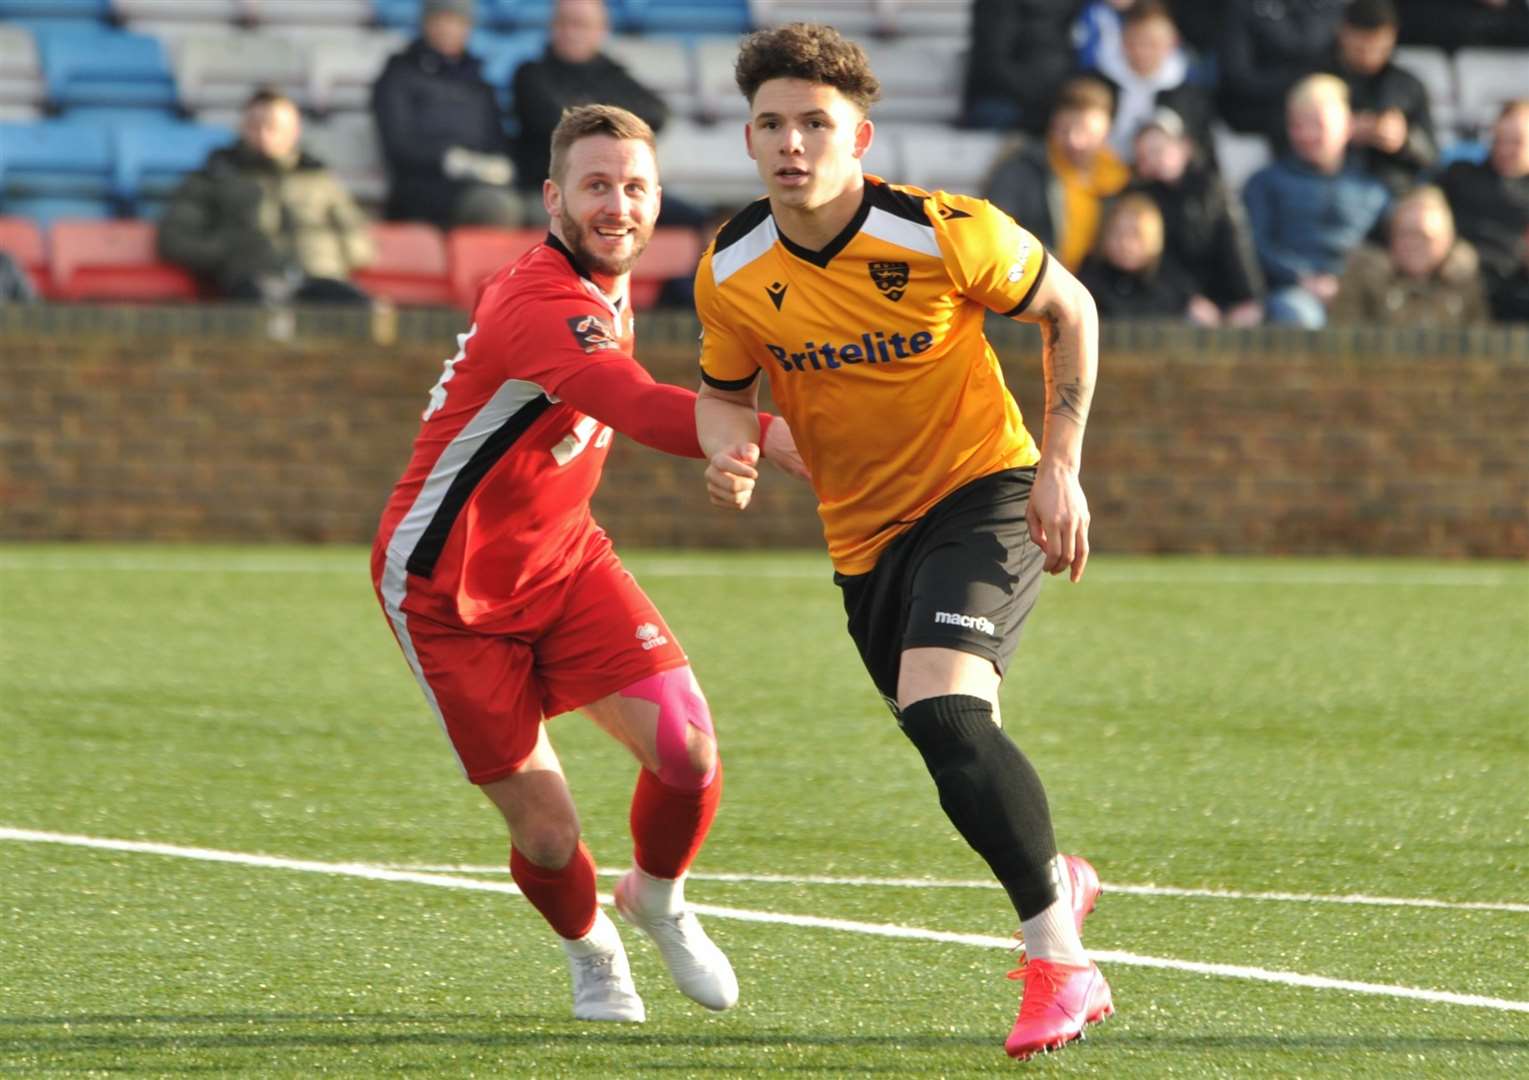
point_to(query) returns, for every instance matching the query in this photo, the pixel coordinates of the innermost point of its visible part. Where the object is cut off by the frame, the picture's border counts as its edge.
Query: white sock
(658, 896)
(1053, 934)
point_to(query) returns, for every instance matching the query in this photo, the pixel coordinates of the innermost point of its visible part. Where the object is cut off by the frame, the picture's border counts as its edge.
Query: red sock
(566, 897)
(669, 824)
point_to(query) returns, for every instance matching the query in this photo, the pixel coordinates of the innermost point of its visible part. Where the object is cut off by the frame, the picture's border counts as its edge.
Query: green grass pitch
(1315, 729)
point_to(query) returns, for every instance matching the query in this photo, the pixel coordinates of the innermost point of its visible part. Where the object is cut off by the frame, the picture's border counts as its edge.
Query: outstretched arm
(730, 440)
(1069, 323)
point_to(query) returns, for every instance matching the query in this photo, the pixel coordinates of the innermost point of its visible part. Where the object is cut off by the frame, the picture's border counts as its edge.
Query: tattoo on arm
(1067, 395)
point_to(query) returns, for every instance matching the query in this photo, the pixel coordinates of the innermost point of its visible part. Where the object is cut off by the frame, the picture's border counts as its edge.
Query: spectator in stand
(1056, 188)
(1267, 46)
(1021, 54)
(1393, 128)
(574, 71)
(1097, 31)
(1202, 22)
(1510, 303)
(1454, 24)
(1311, 207)
(15, 284)
(264, 220)
(1206, 237)
(1149, 68)
(1127, 274)
(1491, 200)
(442, 134)
(1426, 276)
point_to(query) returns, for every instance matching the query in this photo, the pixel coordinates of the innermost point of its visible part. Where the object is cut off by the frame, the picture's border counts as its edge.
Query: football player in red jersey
(507, 598)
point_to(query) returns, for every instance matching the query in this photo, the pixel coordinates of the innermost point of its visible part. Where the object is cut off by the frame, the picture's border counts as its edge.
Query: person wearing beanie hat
(442, 132)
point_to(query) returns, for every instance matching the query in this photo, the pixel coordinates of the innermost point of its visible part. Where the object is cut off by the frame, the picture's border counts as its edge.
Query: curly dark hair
(809, 51)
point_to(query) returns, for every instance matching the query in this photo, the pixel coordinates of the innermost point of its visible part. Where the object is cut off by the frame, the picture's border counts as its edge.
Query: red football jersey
(493, 508)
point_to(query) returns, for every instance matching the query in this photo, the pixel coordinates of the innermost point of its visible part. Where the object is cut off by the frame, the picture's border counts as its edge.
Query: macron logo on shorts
(966, 622)
(650, 636)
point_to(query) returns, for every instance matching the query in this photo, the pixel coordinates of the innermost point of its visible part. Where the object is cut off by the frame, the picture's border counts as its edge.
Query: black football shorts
(964, 577)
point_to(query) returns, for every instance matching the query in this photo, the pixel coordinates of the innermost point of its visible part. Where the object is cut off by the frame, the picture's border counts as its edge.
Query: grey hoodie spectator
(442, 133)
(1312, 207)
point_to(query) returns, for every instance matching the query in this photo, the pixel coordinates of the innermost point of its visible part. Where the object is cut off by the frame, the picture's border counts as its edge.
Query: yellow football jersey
(875, 350)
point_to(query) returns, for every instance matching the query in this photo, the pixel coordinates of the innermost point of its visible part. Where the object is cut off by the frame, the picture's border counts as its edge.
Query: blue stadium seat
(403, 14)
(56, 158)
(503, 53)
(46, 210)
(152, 158)
(686, 16)
(99, 10)
(106, 67)
(515, 14)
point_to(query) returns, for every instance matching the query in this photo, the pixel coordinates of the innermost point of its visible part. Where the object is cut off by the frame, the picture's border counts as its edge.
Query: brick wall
(1364, 444)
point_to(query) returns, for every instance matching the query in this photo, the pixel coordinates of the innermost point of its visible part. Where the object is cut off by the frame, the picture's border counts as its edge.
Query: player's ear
(552, 199)
(865, 132)
(748, 140)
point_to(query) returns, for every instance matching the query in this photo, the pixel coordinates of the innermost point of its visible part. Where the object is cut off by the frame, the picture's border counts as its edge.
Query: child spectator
(1491, 199)
(1206, 237)
(1127, 274)
(447, 154)
(1055, 189)
(263, 220)
(1311, 207)
(1393, 127)
(1427, 276)
(1148, 69)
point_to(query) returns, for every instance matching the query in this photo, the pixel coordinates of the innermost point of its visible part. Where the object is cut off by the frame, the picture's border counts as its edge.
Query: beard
(576, 236)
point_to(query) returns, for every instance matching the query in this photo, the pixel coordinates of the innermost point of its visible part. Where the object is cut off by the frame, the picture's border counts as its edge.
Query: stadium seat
(930, 19)
(22, 240)
(227, 12)
(343, 66)
(1239, 155)
(688, 16)
(853, 18)
(502, 54)
(11, 113)
(707, 163)
(717, 96)
(515, 14)
(106, 67)
(672, 253)
(664, 65)
(306, 12)
(410, 267)
(55, 158)
(400, 14)
(940, 158)
(348, 144)
(113, 260)
(46, 209)
(475, 253)
(221, 72)
(920, 79)
(1487, 78)
(21, 80)
(94, 10)
(152, 159)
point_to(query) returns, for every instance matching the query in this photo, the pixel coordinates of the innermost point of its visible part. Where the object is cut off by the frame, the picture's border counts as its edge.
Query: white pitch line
(1109, 887)
(1102, 576)
(378, 873)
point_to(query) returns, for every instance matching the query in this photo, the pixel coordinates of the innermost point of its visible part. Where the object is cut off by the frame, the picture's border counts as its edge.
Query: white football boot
(602, 979)
(657, 908)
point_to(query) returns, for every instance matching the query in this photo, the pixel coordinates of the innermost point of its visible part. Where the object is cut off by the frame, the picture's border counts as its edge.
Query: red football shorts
(595, 635)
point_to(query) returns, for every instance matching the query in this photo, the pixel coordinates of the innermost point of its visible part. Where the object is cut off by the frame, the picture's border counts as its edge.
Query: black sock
(990, 792)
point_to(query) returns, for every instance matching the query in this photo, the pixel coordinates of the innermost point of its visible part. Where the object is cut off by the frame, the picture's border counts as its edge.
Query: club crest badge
(891, 278)
(592, 333)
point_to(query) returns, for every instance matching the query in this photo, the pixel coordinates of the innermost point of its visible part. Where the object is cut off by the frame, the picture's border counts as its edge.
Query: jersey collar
(557, 245)
(823, 257)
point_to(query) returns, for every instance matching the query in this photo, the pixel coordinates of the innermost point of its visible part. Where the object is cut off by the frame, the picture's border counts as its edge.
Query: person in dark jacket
(264, 220)
(1490, 200)
(1267, 46)
(1393, 126)
(1205, 234)
(442, 134)
(1454, 24)
(1510, 301)
(1312, 207)
(1127, 274)
(1021, 53)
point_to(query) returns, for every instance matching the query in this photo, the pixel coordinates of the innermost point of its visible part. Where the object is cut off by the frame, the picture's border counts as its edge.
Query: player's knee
(549, 844)
(686, 742)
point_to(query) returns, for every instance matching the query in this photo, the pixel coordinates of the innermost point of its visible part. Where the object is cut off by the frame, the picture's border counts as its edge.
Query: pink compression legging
(681, 706)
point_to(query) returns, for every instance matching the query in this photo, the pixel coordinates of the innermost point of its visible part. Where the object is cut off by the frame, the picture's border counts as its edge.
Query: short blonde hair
(582, 121)
(1317, 90)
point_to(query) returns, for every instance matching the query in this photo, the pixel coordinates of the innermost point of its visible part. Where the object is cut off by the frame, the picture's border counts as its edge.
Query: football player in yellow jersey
(863, 302)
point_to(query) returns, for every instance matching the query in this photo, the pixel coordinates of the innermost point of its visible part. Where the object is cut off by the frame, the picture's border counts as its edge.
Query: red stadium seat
(410, 267)
(22, 240)
(474, 253)
(673, 252)
(113, 260)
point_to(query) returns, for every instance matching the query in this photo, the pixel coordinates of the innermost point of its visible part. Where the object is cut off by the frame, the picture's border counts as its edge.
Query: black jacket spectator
(1454, 24)
(1160, 292)
(545, 87)
(1021, 53)
(1492, 212)
(427, 103)
(1266, 47)
(1205, 237)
